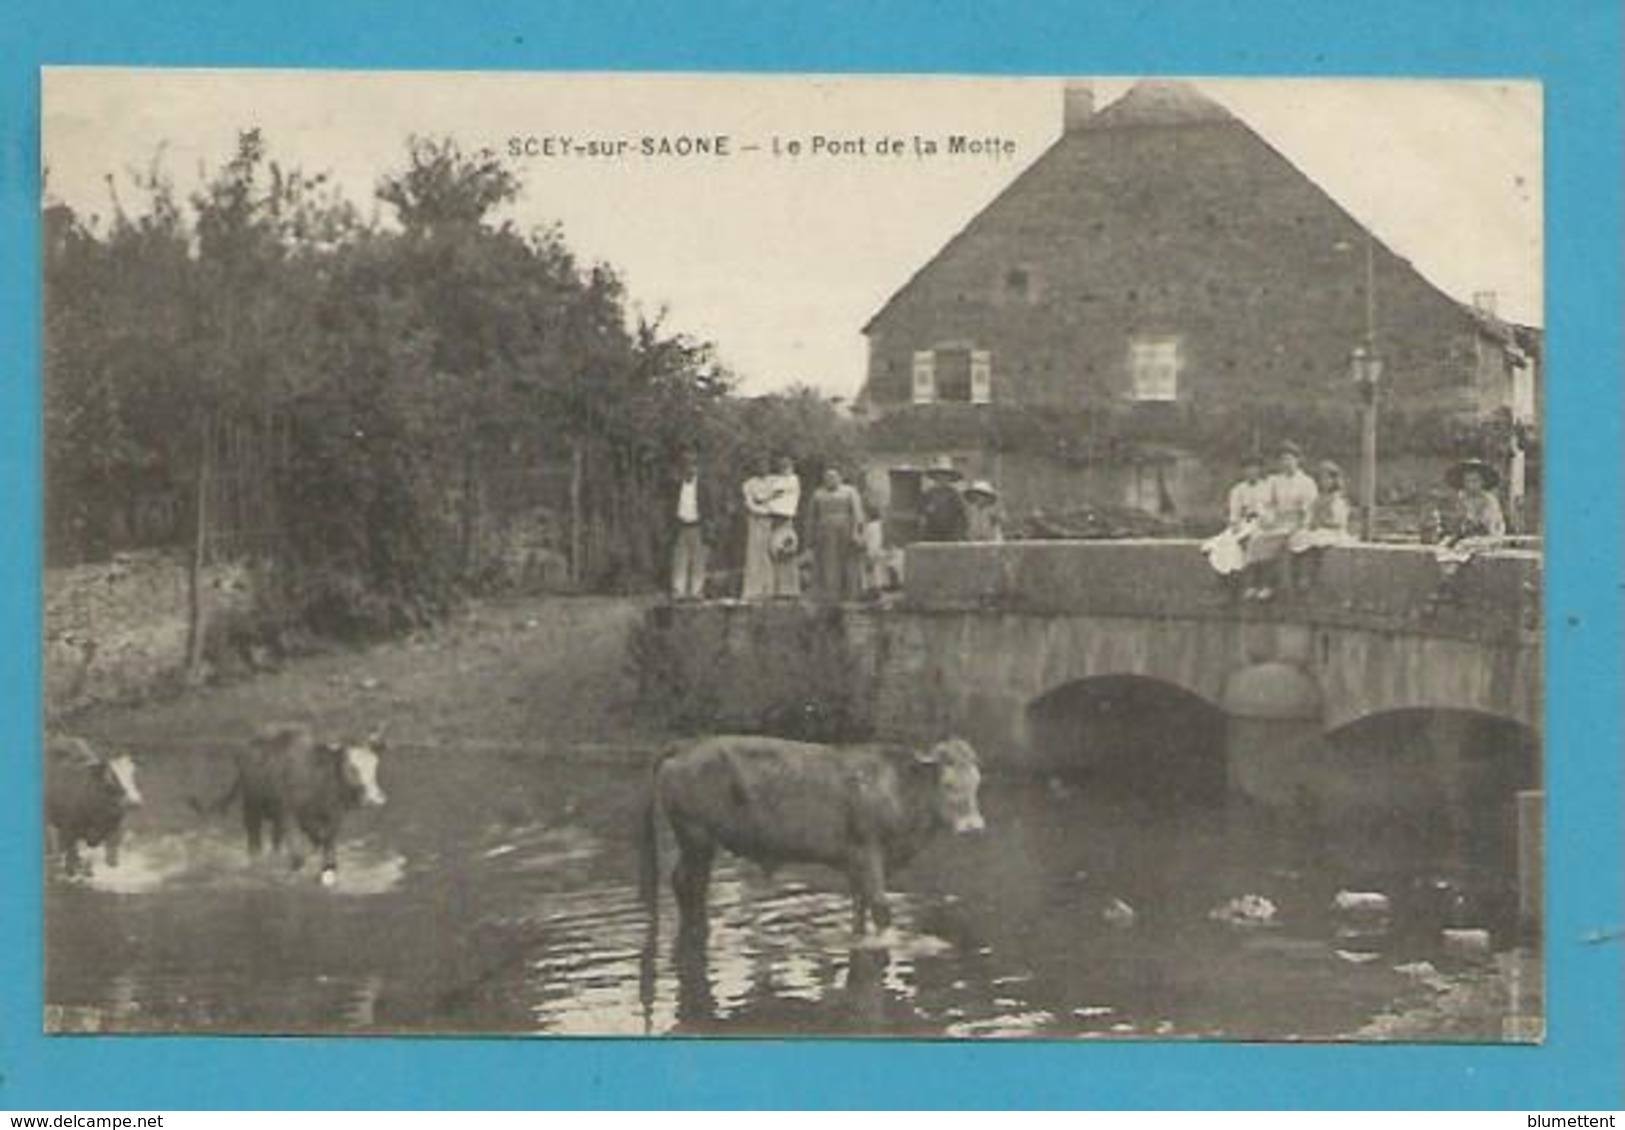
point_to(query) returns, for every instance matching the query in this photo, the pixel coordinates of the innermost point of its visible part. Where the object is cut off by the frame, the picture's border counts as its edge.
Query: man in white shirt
(688, 554)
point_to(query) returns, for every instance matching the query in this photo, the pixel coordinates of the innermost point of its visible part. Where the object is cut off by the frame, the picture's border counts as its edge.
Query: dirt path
(531, 674)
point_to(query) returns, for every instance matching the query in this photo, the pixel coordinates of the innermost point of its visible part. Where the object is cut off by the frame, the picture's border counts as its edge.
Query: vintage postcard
(607, 555)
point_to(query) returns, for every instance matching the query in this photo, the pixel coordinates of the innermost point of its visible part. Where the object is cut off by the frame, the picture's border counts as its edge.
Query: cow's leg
(691, 879)
(111, 845)
(868, 873)
(70, 857)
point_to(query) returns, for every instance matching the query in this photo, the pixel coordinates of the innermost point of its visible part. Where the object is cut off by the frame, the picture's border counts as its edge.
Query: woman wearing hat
(984, 517)
(942, 508)
(1478, 513)
(1477, 523)
(1292, 495)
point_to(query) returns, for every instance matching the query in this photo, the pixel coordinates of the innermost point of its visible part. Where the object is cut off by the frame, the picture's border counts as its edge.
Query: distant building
(1158, 293)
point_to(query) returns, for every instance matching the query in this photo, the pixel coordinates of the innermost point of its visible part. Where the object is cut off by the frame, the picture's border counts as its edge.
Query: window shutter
(981, 377)
(925, 377)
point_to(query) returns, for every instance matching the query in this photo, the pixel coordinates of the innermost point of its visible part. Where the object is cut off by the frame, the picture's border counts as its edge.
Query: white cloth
(688, 502)
(1227, 551)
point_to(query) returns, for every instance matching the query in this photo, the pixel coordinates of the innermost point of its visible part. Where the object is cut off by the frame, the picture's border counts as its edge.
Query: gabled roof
(1150, 104)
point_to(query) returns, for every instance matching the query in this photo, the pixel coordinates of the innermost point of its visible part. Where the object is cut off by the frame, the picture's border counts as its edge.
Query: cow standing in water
(86, 798)
(285, 775)
(864, 810)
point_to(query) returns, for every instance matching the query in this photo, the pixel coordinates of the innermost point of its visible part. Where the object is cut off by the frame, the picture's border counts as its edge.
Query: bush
(796, 676)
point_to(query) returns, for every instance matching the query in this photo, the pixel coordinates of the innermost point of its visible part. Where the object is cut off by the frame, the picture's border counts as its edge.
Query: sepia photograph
(793, 556)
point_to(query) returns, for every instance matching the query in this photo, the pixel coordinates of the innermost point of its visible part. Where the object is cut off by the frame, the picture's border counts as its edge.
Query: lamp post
(1365, 367)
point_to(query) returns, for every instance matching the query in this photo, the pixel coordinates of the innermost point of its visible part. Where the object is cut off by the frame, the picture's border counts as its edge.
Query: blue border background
(1574, 47)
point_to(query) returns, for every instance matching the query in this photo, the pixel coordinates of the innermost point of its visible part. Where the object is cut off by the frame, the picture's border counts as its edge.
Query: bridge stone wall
(1391, 587)
(985, 631)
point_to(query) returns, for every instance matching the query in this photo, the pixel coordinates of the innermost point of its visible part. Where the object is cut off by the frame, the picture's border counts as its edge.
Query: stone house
(1159, 293)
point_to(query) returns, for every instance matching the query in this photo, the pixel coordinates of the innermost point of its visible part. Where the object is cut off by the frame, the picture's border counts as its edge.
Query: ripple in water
(207, 860)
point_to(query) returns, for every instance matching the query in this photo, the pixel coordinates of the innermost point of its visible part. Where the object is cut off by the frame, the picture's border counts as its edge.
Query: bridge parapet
(1392, 587)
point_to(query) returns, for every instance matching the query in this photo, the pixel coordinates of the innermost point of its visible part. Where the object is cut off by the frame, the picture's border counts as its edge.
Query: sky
(779, 258)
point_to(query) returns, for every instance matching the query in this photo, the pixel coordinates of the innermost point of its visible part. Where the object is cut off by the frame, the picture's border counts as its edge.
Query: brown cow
(86, 798)
(862, 809)
(286, 774)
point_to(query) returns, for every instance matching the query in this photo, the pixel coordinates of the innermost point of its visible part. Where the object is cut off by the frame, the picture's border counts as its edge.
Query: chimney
(1078, 105)
(1484, 302)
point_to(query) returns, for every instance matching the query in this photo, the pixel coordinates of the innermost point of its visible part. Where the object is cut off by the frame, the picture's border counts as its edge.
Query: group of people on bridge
(1282, 523)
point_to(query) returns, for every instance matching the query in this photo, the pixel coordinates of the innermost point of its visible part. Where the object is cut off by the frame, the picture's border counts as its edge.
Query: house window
(1154, 368)
(953, 373)
(925, 377)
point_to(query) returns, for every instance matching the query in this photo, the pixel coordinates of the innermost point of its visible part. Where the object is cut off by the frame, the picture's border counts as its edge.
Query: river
(496, 893)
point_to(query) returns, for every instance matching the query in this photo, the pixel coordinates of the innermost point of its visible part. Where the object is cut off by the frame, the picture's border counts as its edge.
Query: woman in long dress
(784, 553)
(758, 574)
(836, 522)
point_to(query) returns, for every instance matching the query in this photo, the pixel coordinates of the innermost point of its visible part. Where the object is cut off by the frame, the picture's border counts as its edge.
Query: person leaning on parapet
(984, 516)
(1291, 495)
(689, 549)
(1227, 550)
(942, 507)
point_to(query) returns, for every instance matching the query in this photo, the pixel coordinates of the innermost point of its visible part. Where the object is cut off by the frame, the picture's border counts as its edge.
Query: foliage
(808, 686)
(360, 383)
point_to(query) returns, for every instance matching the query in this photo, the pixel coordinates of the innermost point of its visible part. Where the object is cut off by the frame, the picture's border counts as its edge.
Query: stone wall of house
(116, 630)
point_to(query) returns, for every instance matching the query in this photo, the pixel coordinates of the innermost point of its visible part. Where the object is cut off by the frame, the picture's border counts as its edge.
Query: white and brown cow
(865, 810)
(286, 775)
(86, 798)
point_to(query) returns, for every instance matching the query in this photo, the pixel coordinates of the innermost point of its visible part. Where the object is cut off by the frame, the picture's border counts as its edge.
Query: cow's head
(359, 764)
(958, 779)
(118, 778)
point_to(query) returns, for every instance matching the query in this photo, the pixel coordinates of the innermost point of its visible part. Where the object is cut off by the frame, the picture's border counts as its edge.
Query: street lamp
(1365, 366)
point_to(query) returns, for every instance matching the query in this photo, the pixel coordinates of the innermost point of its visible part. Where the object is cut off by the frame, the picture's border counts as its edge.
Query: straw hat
(943, 466)
(983, 488)
(1488, 474)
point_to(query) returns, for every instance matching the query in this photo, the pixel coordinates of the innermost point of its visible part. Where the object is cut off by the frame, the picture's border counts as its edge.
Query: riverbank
(533, 674)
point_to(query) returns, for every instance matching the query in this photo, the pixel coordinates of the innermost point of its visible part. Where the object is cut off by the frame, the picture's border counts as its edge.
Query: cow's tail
(648, 835)
(215, 807)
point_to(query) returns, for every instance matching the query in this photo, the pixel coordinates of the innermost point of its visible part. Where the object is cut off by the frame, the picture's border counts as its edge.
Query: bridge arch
(1131, 733)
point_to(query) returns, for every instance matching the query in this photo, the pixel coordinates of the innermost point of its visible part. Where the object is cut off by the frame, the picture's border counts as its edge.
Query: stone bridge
(1018, 646)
